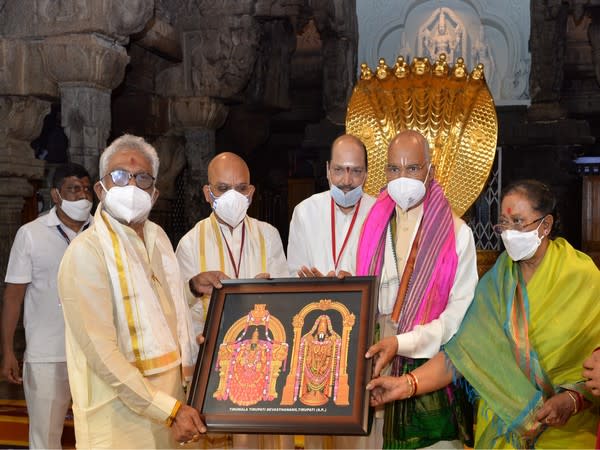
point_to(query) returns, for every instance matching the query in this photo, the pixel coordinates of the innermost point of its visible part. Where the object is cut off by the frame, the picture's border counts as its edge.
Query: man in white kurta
(325, 227)
(408, 157)
(129, 341)
(31, 279)
(229, 245)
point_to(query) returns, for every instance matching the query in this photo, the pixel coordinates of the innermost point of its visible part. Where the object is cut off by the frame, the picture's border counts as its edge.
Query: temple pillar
(197, 118)
(21, 121)
(96, 66)
(85, 117)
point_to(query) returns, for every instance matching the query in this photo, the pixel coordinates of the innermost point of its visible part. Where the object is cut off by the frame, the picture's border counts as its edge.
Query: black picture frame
(302, 371)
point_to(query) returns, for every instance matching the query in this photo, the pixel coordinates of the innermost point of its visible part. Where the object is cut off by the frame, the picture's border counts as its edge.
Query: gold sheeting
(453, 109)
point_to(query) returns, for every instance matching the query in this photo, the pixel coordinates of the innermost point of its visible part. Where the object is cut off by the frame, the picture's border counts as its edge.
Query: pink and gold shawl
(436, 260)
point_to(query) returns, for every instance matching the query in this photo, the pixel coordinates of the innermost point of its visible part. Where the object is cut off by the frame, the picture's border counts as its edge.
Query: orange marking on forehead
(509, 210)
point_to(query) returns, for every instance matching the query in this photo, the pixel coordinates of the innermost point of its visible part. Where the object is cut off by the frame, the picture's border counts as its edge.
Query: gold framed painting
(287, 356)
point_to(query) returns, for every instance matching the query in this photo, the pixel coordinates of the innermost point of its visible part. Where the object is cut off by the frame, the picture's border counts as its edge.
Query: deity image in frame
(248, 363)
(319, 360)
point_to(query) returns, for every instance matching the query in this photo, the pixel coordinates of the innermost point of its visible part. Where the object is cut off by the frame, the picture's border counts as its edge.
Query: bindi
(509, 210)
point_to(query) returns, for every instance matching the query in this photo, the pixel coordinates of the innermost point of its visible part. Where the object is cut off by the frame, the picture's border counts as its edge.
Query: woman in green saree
(522, 343)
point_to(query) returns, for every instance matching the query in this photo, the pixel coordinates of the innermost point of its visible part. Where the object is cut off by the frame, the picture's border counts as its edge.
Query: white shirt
(250, 264)
(34, 260)
(310, 243)
(424, 341)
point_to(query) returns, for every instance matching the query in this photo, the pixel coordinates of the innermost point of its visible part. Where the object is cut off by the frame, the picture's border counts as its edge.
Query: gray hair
(129, 142)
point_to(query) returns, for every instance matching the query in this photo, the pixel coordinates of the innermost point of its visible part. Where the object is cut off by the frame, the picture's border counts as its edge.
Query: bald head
(348, 165)
(227, 171)
(349, 148)
(228, 165)
(412, 142)
(408, 157)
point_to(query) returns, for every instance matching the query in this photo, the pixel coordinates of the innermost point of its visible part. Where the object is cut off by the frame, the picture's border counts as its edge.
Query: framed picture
(286, 356)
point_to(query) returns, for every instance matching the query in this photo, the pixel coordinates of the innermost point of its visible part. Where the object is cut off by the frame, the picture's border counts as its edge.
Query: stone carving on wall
(57, 11)
(37, 18)
(493, 33)
(441, 33)
(481, 52)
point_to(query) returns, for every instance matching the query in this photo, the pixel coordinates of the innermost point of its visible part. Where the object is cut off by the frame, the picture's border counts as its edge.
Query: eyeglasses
(340, 171)
(412, 170)
(121, 177)
(221, 188)
(517, 225)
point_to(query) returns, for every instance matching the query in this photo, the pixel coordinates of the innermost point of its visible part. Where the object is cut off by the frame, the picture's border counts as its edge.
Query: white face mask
(521, 245)
(78, 210)
(128, 204)
(346, 199)
(407, 192)
(231, 207)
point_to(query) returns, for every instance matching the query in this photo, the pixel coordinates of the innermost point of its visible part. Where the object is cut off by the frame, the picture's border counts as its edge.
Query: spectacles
(221, 188)
(121, 177)
(412, 170)
(340, 171)
(517, 225)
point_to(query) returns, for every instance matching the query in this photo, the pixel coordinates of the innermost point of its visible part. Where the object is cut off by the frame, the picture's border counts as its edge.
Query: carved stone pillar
(96, 66)
(197, 118)
(548, 37)
(21, 121)
(171, 152)
(594, 37)
(86, 120)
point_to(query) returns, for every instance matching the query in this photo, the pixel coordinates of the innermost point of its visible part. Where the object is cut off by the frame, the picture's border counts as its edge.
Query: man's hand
(387, 389)
(305, 272)
(187, 425)
(10, 368)
(591, 371)
(383, 351)
(203, 283)
(263, 276)
(556, 410)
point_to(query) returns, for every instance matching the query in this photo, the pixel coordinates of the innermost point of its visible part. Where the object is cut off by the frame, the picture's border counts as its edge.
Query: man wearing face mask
(425, 257)
(229, 245)
(129, 336)
(325, 227)
(31, 278)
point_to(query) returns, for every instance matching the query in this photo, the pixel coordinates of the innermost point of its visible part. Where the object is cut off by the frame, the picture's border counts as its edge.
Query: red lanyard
(231, 258)
(336, 260)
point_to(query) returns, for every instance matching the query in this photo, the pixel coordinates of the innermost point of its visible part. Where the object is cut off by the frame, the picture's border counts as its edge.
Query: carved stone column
(96, 66)
(21, 121)
(548, 36)
(197, 118)
(594, 37)
(86, 120)
(171, 152)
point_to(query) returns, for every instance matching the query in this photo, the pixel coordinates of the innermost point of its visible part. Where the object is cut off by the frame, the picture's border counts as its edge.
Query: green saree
(517, 350)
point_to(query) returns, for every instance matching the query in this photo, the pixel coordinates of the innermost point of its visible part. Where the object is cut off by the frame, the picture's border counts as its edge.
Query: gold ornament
(452, 109)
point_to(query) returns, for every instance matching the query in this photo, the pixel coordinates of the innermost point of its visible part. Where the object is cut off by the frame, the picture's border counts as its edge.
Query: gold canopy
(453, 109)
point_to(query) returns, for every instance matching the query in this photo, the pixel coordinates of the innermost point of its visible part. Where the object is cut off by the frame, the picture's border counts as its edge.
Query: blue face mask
(346, 199)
